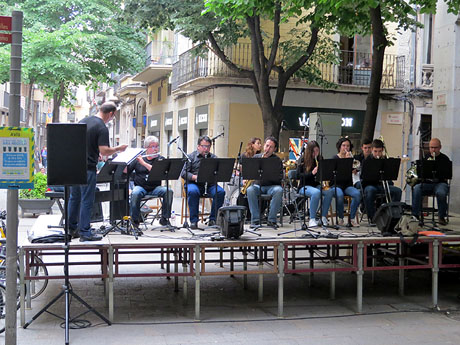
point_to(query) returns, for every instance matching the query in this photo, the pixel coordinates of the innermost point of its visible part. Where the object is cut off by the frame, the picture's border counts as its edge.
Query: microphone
(173, 140)
(217, 136)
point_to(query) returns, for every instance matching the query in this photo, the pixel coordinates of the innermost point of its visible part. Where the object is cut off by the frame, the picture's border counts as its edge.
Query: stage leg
(110, 283)
(401, 271)
(22, 289)
(197, 282)
(435, 273)
(359, 279)
(261, 276)
(332, 287)
(176, 270)
(245, 268)
(280, 280)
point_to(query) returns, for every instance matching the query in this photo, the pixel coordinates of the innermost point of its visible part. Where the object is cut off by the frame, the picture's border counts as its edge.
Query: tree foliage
(74, 42)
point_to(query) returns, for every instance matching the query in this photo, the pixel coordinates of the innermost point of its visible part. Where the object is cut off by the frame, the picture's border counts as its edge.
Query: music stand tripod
(215, 170)
(166, 170)
(188, 161)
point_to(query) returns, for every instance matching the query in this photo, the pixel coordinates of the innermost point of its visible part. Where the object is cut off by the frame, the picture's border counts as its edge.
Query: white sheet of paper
(128, 155)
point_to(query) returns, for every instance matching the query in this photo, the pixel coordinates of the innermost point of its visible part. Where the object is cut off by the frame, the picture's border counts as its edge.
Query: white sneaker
(325, 221)
(341, 222)
(312, 223)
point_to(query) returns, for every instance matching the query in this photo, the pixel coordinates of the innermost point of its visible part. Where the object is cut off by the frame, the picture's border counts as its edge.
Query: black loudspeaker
(387, 216)
(231, 221)
(67, 160)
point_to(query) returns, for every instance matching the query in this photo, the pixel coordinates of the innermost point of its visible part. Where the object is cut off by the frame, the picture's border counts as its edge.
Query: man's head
(204, 145)
(152, 144)
(270, 146)
(377, 148)
(107, 111)
(435, 146)
(366, 147)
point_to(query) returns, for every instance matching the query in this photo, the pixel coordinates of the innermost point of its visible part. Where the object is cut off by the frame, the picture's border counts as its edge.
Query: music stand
(166, 170)
(72, 174)
(432, 170)
(215, 170)
(260, 169)
(332, 170)
(125, 159)
(380, 170)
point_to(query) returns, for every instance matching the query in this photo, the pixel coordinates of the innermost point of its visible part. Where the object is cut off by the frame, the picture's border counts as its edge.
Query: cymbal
(283, 155)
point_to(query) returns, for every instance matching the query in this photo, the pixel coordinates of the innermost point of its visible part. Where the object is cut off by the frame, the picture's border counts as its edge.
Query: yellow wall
(245, 121)
(154, 89)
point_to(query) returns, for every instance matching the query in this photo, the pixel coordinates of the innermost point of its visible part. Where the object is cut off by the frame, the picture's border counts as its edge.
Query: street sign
(5, 38)
(5, 23)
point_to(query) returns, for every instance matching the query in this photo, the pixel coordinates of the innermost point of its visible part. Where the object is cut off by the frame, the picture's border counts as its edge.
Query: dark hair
(366, 142)
(272, 138)
(341, 141)
(249, 152)
(108, 107)
(377, 143)
(308, 158)
(205, 138)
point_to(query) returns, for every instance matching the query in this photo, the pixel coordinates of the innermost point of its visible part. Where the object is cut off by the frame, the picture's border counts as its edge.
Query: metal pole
(12, 195)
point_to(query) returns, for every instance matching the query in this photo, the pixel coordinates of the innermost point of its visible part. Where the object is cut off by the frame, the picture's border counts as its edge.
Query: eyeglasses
(205, 146)
(434, 147)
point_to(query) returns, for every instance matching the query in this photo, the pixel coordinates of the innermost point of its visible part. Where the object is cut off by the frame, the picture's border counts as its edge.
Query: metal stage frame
(258, 257)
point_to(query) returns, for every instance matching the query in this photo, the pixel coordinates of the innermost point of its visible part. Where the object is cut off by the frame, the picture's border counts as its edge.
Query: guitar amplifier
(387, 216)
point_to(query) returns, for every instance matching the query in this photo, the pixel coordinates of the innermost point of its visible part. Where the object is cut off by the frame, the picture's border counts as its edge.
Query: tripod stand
(188, 161)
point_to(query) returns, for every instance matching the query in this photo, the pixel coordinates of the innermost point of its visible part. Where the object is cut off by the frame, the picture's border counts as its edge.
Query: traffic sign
(5, 38)
(5, 23)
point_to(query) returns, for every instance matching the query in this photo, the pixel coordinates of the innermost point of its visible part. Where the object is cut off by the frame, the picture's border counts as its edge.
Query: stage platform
(182, 255)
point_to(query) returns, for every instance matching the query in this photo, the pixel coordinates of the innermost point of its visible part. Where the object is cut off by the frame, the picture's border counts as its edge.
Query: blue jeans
(81, 204)
(355, 195)
(314, 194)
(136, 198)
(253, 194)
(194, 194)
(370, 193)
(440, 190)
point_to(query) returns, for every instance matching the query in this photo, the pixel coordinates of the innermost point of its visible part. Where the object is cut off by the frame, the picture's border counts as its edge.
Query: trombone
(386, 185)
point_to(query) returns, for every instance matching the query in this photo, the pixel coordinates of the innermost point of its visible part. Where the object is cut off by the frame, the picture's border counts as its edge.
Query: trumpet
(432, 157)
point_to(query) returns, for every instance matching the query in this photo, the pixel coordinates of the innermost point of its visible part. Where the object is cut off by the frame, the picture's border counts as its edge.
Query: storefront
(168, 125)
(201, 120)
(182, 127)
(154, 125)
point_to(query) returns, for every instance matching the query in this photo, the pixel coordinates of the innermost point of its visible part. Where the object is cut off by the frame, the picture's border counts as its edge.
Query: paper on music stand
(127, 156)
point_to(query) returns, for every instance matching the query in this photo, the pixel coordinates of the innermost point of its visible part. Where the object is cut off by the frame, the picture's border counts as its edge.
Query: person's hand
(194, 178)
(314, 171)
(140, 159)
(121, 148)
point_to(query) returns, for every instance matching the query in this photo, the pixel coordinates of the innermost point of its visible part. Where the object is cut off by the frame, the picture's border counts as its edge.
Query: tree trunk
(378, 52)
(57, 100)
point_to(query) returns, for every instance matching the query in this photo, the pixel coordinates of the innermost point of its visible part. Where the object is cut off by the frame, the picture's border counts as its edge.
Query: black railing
(354, 67)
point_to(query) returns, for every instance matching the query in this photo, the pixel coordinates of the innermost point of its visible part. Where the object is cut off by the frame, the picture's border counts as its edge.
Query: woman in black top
(345, 184)
(309, 187)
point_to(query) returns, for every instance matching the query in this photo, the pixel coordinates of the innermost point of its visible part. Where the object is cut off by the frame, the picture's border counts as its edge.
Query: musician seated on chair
(345, 185)
(272, 188)
(366, 149)
(142, 187)
(372, 188)
(309, 187)
(198, 189)
(438, 188)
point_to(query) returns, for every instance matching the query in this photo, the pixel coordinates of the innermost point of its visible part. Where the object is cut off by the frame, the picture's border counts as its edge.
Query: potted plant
(34, 200)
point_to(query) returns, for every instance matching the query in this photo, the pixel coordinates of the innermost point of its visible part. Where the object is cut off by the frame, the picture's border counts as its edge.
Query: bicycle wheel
(2, 307)
(38, 286)
(3, 282)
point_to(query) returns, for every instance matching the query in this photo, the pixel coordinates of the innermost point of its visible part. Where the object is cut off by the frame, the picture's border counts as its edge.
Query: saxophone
(246, 185)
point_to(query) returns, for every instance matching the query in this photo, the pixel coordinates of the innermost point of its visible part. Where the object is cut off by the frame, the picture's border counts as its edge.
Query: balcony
(158, 62)
(427, 76)
(354, 69)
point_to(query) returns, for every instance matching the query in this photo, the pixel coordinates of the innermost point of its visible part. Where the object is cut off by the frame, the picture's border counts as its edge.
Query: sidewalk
(148, 311)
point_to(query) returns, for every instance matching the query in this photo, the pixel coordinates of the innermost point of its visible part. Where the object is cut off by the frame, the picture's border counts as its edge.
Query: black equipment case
(231, 221)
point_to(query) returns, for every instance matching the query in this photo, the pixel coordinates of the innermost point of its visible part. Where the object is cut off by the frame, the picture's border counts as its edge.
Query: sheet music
(127, 156)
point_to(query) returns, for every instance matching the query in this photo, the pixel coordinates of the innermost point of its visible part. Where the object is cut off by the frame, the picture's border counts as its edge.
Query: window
(150, 97)
(159, 94)
(427, 38)
(169, 89)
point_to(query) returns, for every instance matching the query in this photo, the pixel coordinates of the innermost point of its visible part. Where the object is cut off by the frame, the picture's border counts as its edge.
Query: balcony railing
(159, 53)
(354, 68)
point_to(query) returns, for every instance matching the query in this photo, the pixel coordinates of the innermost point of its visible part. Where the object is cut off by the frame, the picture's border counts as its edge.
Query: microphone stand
(187, 162)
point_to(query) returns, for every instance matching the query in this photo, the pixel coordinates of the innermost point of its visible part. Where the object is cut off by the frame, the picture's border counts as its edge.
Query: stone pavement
(148, 311)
